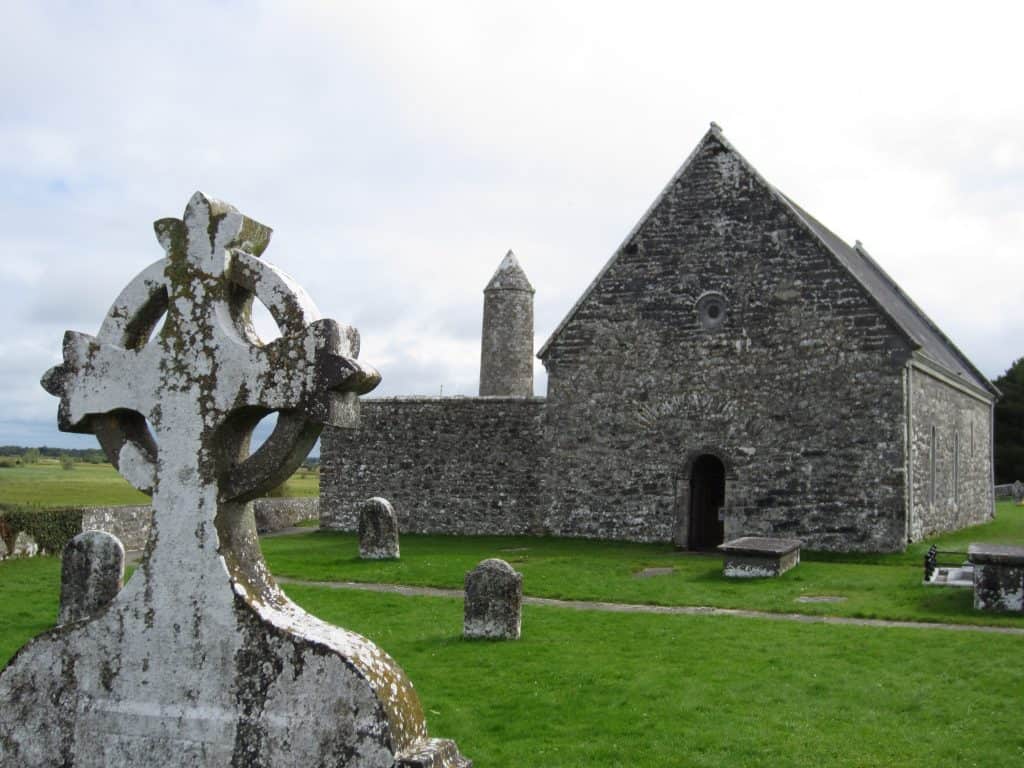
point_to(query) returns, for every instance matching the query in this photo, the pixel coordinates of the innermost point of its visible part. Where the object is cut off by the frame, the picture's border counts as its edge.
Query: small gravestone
(494, 601)
(998, 577)
(91, 575)
(378, 530)
(25, 545)
(1018, 492)
(202, 660)
(3, 548)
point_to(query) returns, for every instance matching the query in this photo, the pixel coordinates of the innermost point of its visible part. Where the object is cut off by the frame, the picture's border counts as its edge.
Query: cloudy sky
(399, 149)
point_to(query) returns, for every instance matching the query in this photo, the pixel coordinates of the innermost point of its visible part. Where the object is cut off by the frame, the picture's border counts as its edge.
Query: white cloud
(398, 149)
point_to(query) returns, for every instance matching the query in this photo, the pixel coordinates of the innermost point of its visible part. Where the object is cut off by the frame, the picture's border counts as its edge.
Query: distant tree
(66, 462)
(1009, 425)
(31, 456)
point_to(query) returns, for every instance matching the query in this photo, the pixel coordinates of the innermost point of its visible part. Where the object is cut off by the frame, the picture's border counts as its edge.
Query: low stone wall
(279, 513)
(131, 524)
(461, 465)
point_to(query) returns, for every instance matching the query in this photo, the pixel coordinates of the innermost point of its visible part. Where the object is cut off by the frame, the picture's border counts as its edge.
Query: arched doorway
(707, 495)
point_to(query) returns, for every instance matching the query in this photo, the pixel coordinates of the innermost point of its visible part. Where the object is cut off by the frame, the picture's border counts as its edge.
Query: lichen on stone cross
(201, 659)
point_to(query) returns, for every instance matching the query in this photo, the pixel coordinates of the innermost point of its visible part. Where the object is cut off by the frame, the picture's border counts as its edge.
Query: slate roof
(932, 342)
(890, 298)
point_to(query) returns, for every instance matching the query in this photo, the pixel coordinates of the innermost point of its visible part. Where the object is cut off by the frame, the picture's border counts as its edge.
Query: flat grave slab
(648, 573)
(758, 557)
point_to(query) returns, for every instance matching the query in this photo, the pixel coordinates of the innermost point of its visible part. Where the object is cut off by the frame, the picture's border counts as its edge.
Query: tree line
(87, 455)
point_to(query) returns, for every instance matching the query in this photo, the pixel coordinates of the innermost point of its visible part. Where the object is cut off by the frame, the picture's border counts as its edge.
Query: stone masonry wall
(798, 390)
(960, 426)
(129, 524)
(448, 465)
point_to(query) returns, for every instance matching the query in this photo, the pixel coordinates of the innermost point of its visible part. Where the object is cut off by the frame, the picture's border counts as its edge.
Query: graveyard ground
(609, 689)
(872, 586)
(602, 689)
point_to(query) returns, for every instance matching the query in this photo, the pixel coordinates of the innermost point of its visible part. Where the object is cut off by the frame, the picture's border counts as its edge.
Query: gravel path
(581, 605)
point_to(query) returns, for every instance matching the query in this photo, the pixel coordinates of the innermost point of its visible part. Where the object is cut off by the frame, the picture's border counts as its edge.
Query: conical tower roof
(509, 276)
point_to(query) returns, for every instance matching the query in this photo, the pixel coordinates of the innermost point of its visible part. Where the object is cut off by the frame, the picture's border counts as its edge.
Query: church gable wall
(448, 465)
(951, 457)
(799, 387)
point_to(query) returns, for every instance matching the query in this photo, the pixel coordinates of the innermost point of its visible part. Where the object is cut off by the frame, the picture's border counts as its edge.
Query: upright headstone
(1018, 492)
(378, 530)
(91, 575)
(201, 660)
(494, 601)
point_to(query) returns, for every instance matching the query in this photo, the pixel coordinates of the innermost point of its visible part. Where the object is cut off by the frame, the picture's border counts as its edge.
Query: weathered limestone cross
(201, 659)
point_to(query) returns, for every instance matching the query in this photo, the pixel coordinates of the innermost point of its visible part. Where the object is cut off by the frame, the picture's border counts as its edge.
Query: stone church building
(734, 369)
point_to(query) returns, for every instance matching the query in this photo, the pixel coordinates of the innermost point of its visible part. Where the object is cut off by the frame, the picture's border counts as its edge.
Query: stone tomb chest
(998, 577)
(752, 557)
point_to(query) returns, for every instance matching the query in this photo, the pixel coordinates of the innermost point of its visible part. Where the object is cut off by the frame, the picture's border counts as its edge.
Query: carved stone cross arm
(209, 359)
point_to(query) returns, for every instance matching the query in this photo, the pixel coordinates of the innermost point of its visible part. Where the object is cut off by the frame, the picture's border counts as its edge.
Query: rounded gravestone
(494, 601)
(378, 530)
(91, 574)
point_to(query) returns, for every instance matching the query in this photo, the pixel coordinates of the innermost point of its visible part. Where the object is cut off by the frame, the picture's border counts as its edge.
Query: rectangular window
(931, 469)
(956, 467)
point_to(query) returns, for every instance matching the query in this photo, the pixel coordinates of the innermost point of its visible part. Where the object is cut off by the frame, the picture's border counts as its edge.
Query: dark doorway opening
(707, 495)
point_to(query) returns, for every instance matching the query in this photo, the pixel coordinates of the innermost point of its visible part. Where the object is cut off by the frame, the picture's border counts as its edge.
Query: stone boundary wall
(460, 465)
(279, 513)
(131, 524)
(1004, 491)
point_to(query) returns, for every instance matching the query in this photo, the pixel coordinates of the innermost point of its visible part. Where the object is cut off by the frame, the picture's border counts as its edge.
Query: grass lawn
(47, 484)
(596, 689)
(874, 586)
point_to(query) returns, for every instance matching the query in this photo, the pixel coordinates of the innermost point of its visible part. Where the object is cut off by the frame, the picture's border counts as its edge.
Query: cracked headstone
(201, 659)
(378, 530)
(494, 601)
(91, 575)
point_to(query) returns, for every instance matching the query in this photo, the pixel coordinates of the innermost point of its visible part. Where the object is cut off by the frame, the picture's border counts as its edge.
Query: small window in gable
(711, 310)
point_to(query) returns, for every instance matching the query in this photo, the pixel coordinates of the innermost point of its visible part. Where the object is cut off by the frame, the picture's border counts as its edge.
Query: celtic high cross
(201, 659)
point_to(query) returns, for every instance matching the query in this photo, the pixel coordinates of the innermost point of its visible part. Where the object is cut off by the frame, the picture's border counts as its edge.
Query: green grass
(601, 690)
(29, 596)
(46, 484)
(598, 689)
(875, 586)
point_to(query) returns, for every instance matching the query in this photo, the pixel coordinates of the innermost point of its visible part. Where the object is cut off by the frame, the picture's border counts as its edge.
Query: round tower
(506, 344)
